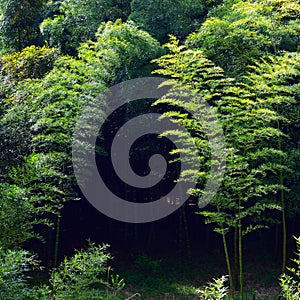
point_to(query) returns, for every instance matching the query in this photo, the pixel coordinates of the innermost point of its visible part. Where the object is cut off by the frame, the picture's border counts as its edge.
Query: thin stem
(227, 261)
(57, 240)
(107, 283)
(228, 265)
(186, 229)
(241, 261)
(236, 258)
(284, 238)
(276, 242)
(283, 221)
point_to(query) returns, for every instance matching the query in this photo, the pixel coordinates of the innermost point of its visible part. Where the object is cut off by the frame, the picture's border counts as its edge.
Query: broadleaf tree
(237, 33)
(20, 20)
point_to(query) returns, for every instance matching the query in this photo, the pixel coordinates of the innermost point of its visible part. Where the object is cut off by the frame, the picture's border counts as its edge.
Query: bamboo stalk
(56, 241)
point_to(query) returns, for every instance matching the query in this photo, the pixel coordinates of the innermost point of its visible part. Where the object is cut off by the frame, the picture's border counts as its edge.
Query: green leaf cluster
(239, 32)
(20, 21)
(77, 21)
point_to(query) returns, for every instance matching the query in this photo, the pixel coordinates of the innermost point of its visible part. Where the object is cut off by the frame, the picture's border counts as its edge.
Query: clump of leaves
(161, 18)
(14, 264)
(32, 62)
(290, 284)
(214, 290)
(80, 273)
(17, 211)
(239, 32)
(73, 22)
(85, 275)
(20, 24)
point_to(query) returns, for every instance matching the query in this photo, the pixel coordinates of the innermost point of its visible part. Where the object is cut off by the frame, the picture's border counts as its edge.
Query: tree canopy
(239, 32)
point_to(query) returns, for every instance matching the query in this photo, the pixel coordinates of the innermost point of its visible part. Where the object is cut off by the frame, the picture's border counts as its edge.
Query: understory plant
(214, 290)
(290, 284)
(14, 266)
(85, 275)
(80, 273)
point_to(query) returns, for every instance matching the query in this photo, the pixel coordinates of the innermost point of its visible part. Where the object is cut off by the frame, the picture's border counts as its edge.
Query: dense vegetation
(241, 57)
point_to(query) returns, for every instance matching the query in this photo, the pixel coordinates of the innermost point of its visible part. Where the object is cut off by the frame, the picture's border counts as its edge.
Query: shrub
(16, 211)
(83, 276)
(13, 267)
(290, 284)
(78, 275)
(215, 290)
(32, 62)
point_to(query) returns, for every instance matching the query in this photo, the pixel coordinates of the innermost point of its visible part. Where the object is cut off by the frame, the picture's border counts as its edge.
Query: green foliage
(20, 24)
(290, 284)
(13, 280)
(45, 180)
(78, 21)
(163, 17)
(32, 62)
(42, 96)
(60, 96)
(240, 32)
(81, 272)
(45, 113)
(292, 181)
(15, 137)
(251, 149)
(123, 49)
(215, 290)
(83, 276)
(115, 285)
(17, 210)
(199, 74)
(45, 95)
(276, 80)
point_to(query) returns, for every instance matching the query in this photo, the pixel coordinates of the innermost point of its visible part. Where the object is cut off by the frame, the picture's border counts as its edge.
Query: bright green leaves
(276, 81)
(196, 80)
(252, 152)
(14, 268)
(80, 273)
(237, 34)
(123, 47)
(32, 62)
(193, 69)
(16, 212)
(290, 284)
(85, 275)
